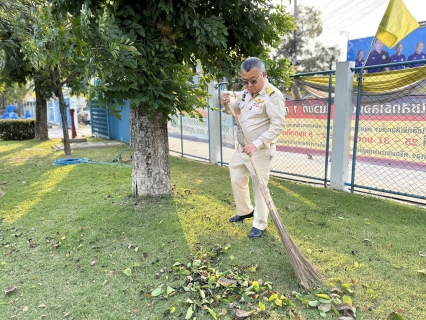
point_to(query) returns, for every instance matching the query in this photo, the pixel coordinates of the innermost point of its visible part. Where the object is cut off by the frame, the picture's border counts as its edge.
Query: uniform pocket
(255, 113)
(257, 110)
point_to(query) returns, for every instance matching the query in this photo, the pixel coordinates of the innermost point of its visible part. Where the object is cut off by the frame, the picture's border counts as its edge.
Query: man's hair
(360, 50)
(253, 62)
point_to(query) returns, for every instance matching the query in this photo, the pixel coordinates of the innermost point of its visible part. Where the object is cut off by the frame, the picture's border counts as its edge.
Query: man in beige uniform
(261, 107)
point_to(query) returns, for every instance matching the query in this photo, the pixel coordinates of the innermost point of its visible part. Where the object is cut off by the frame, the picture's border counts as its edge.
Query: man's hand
(226, 101)
(249, 149)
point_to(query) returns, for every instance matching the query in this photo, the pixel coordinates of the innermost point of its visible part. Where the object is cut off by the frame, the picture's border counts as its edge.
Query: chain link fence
(389, 131)
(189, 137)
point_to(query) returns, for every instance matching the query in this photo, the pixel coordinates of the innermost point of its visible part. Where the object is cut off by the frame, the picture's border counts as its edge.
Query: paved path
(84, 131)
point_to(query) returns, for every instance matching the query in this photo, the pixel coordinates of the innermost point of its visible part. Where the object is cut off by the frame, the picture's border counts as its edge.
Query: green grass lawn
(76, 245)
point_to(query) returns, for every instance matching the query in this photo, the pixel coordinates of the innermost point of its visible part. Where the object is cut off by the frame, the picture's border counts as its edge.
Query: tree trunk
(63, 111)
(150, 154)
(41, 129)
(56, 84)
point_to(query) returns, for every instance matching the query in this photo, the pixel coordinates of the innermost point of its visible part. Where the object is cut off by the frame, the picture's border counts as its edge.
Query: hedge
(17, 129)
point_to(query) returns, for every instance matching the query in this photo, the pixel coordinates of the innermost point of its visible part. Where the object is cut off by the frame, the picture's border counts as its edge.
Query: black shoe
(238, 218)
(255, 233)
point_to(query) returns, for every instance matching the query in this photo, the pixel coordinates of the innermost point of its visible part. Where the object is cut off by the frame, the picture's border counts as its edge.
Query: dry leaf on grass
(10, 290)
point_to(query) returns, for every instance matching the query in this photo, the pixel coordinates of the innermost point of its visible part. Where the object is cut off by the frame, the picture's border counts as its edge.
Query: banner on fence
(395, 130)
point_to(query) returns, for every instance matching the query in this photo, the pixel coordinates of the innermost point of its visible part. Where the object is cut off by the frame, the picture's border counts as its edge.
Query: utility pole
(295, 35)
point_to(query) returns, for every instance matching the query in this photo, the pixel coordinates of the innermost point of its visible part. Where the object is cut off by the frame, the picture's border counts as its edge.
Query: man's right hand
(226, 100)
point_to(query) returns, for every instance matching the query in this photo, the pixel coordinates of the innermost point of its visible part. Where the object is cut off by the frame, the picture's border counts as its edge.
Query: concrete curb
(88, 145)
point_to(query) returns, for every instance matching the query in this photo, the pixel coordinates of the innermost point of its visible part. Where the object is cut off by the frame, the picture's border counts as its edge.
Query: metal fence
(189, 137)
(386, 152)
(389, 137)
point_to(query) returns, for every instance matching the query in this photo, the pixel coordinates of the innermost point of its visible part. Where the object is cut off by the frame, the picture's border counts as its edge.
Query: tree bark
(41, 129)
(55, 79)
(150, 154)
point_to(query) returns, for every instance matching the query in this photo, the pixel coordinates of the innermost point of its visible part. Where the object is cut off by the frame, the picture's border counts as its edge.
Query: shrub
(17, 129)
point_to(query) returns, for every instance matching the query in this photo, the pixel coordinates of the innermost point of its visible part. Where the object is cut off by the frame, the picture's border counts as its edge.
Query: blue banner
(411, 48)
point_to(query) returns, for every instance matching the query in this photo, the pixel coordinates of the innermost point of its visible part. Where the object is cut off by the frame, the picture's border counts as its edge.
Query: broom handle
(240, 130)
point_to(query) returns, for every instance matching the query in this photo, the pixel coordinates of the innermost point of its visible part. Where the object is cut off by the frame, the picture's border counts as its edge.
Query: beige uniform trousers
(240, 169)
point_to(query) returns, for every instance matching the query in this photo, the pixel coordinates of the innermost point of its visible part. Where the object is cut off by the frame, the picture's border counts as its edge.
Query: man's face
(360, 54)
(253, 80)
(378, 45)
(399, 48)
(419, 47)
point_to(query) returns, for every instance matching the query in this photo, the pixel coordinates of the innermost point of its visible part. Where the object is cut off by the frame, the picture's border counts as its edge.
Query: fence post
(342, 120)
(214, 124)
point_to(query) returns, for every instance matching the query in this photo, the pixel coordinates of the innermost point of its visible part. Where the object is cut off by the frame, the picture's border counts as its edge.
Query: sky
(353, 19)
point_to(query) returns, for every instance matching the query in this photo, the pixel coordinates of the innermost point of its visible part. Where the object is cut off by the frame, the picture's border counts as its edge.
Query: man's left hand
(249, 149)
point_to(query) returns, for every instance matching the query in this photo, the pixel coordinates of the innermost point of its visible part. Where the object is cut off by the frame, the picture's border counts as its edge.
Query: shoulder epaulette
(269, 90)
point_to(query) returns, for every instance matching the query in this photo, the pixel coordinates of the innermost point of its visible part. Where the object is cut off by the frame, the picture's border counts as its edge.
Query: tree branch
(70, 78)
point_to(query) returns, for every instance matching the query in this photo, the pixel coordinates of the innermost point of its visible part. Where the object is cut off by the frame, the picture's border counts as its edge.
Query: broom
(305, 272)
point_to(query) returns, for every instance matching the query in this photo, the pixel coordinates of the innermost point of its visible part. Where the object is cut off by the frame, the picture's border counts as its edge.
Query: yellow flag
(396, 24)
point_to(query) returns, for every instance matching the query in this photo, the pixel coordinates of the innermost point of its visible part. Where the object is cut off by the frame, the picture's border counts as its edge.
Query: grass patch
(75, 244)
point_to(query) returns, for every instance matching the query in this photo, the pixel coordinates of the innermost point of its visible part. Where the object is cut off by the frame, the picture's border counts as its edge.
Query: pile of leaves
(236, 293)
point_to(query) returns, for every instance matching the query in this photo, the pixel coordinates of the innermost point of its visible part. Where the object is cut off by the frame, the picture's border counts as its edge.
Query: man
(417, 55)
(359, 59)
(377, 57)
(398, 57)
(261, 107)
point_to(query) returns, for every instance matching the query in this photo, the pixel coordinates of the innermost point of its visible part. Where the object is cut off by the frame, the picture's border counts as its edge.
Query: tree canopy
(171, 39)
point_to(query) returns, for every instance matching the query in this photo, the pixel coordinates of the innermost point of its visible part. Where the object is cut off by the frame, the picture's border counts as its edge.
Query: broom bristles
(304, 271)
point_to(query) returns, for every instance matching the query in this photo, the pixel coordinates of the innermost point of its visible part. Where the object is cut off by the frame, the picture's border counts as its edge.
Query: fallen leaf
(25, 308)
(157, 291)
(42, 306)
(92, 263)
(10, 290)
(347, 299)
(66, 314)
(241, 314)
(189, 313)
(423, 271)
(326, 307)
(226, 282)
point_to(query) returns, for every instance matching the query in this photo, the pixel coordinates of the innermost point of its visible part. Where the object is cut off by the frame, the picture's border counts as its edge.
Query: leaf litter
(235, 290)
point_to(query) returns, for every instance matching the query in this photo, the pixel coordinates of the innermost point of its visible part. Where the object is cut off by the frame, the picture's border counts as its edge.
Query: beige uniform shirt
(262, 116)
